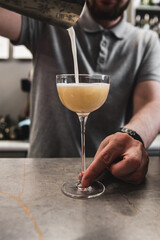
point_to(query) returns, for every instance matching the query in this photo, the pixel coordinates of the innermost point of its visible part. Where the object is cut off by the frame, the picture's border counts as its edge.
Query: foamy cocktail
(83, 97)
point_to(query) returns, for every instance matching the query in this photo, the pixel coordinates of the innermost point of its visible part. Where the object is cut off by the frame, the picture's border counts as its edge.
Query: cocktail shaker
(63, 13)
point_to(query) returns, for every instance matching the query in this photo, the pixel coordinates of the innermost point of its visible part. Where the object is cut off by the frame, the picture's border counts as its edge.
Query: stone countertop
(32, 206)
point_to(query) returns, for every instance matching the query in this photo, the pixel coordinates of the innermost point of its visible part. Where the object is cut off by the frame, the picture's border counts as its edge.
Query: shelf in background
(148, 8)
(14, 149)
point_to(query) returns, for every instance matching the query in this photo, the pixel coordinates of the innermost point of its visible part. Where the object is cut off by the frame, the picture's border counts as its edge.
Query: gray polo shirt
(130, 55)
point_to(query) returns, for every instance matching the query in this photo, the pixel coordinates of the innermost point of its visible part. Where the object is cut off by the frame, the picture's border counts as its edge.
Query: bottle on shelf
(151, 23)
(146, 21)
(138, 21)
(143, 22)
(155, 24)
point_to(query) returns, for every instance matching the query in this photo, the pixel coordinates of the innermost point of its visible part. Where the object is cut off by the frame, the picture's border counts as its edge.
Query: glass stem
(83, 121)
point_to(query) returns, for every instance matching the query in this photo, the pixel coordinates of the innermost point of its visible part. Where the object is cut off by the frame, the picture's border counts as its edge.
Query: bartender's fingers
(101, 161)
(120, 141)
(136, 176)
(125, 167)
(131, 161)
(103, 144)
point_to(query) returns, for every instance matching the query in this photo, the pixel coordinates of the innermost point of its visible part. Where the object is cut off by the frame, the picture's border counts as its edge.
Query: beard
(101, 14)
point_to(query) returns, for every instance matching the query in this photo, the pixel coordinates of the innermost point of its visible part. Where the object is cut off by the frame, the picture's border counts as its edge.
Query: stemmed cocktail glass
(83, 96)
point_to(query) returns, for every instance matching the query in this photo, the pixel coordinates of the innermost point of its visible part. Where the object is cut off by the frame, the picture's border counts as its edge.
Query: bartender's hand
(132, 167)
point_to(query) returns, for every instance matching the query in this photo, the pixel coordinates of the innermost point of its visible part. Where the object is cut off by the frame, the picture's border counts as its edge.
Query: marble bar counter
(32, 206)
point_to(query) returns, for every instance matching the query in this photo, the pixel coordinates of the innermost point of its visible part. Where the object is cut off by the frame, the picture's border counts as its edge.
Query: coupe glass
(83, 96)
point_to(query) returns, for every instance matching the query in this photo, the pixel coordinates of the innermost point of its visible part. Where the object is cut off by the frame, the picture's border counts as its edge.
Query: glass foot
(74, 190)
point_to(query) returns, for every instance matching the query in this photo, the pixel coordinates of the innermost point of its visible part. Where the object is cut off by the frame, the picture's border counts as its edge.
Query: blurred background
(16, 72)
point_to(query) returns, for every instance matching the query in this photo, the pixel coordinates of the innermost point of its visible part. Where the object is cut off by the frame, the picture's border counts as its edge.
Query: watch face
(128, 131)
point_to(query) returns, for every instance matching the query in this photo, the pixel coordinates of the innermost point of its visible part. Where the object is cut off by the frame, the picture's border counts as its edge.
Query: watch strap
(131, 133)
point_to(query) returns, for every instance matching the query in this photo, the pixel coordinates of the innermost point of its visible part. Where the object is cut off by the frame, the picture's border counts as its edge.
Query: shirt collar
(91, 26)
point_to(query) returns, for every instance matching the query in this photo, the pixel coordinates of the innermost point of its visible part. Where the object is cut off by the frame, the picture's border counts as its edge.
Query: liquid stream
(72, 36)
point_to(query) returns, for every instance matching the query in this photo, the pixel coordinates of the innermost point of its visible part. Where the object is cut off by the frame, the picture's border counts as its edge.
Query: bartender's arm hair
(10, 24)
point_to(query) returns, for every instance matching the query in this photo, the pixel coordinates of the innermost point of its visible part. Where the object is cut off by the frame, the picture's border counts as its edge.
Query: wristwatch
(131, 133)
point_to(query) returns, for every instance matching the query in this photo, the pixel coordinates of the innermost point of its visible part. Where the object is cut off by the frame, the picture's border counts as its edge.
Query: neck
(108, 23)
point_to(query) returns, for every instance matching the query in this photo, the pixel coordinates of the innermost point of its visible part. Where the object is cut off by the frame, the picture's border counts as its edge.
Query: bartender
(128, 122)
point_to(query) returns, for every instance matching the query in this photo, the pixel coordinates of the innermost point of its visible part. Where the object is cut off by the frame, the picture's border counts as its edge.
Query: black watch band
(132, 133)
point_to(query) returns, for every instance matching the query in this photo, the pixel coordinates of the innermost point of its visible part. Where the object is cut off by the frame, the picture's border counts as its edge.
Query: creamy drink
(83, 98)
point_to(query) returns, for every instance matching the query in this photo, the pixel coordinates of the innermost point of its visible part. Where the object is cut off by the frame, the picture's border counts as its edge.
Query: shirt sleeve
(150, 65)
(29, 35)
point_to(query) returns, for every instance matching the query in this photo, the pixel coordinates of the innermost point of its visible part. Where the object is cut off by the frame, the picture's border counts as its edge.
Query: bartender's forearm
(146, 122)
(146, 115)
(10, 24)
